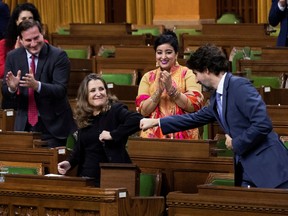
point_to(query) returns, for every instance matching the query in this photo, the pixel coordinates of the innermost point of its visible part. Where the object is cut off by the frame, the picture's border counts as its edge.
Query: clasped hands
(165, 81)
(27, 81)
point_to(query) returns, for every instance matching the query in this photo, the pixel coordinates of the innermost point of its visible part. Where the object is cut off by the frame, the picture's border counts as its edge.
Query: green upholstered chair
(150, 184)
(228, 18)
(259, 81)
(152, 31)
(27, 168)
(63, 31)
(220, 145)
(223, 182)
(284, 139)
(77, 53)
(119, 76)
(71, 139)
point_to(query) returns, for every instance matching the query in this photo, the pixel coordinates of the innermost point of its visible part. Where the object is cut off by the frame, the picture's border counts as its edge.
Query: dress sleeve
(129, 122)
(143, 91)
(193, 90)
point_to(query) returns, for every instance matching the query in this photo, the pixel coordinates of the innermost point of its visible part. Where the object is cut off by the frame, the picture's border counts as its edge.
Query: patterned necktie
(219, 105)
(32, 108)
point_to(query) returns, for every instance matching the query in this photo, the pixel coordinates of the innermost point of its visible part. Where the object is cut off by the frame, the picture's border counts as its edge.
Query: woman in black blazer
(105, 126)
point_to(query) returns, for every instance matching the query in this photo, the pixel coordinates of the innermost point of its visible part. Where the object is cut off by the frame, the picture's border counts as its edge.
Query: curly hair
(168, 37)
(208, 57)
(84, 111)
(12, 33)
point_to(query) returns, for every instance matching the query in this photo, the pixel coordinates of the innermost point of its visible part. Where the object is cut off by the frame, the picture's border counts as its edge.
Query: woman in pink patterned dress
(169, 89)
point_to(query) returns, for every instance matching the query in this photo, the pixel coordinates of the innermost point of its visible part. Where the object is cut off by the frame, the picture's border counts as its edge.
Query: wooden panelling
(184, 164)
(227, 201)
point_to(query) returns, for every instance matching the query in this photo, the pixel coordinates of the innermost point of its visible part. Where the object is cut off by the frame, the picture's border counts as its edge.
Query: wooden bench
(7, 118)
(100, 28)
(135, 52)
(243, 29)
(124, 92)
(227, 201)
(184, 163)
(19, 139)
(274, 96)
(80, 68)
(97, 40)
(267, 68)
(49, 157)
(48, 195)
(227, 42)
(274, 53)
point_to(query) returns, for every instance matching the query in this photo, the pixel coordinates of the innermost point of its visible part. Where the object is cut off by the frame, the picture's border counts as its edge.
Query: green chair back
(70, 142)
(63, 31)
(152, 31)
(147, 184)
(77, 53)
(259, 81)
(224, 151)
(119, 79)
(22, 170)
(223, 182)
(228, 18)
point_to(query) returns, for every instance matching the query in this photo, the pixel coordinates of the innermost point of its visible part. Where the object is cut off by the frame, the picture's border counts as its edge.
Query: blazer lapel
(42, 58)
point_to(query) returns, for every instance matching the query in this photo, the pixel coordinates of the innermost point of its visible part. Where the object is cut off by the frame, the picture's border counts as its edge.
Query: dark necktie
(219, 105)
(32, 108)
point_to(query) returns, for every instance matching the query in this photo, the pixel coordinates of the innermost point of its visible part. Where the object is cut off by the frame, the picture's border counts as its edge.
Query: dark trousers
(45, 135)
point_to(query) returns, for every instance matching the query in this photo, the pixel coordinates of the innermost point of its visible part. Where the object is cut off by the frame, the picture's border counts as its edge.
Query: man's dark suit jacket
(277, 16)
(262, 154)
(53, 71)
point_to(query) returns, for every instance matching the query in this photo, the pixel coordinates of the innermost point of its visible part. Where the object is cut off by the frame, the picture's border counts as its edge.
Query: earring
(176, 63)
(157, 64)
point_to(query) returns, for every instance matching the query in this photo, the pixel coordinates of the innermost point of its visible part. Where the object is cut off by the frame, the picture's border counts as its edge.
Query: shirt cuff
(10, 90)
(280, 7)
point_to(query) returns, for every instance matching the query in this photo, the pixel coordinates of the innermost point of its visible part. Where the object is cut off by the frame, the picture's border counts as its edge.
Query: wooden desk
(100, 28)
(184, 164)
(98, 40)
(227, 42)
(49, 157)
(7, 118)
(263, 67)
(243, 29)
(23, 195)
(227, 201)
(12, 139)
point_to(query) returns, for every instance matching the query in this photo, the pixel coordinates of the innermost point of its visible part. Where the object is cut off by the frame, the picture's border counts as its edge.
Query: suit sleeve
(176, 123)
(275, 14)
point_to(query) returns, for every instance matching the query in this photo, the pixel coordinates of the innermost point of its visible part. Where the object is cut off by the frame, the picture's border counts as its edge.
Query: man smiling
(40, 70)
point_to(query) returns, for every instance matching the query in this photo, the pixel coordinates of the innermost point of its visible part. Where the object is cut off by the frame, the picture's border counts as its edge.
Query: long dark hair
(11, 33)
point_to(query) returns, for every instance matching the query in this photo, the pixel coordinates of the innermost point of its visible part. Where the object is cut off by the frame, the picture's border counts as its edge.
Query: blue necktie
(219, 105)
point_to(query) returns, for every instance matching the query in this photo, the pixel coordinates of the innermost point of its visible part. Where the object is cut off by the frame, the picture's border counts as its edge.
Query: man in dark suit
(52, 114)
(279, 14)
(260, 157)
